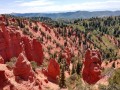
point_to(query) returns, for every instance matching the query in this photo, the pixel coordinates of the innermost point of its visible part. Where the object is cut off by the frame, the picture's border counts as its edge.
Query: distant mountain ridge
(70, 15)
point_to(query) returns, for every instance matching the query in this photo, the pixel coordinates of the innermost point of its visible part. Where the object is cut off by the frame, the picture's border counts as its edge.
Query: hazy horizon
(57, 6)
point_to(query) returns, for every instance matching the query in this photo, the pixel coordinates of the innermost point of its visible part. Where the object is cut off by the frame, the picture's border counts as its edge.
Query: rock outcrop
(20, 78)
(9, 43)
(3, 78)
(33, 50)
(1, 60)
(53, 70)
(12, 43)
(23, 68)
(92, 64)
(38, 52)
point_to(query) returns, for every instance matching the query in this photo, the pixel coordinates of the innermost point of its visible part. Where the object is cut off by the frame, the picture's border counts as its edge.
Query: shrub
(40, 39)
(73, 69)
(106, 63)
(102, 87)
(11, 63)
(113, 65)
(114, 82)
(79, 68)
(26, 31)
(35, 28)
(34, 65)
(115, 79)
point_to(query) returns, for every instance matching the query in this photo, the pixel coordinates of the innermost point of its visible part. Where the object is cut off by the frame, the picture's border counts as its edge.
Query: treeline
(106, 25)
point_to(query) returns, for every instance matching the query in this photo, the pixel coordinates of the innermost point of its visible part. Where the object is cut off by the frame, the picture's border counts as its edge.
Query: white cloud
(22, 6)
(106, 5)
(18, 1)
(37, 3)
(88, 6)
(5, 11)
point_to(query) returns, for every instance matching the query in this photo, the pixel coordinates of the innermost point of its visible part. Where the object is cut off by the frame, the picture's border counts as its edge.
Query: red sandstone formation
(33, 50)
(28, 47)
(22, 72)
(2, 18)
(3, 78)
(53, 70)
(1, 60)
(38, 52)
(23, 68)
(11, 45)
(91, 71)
(13, 41)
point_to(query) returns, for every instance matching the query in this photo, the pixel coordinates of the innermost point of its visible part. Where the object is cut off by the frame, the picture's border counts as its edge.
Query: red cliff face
(12, 44)
(38, 52)
(33, 50)
(20, 78)
(53, 70)
(28, 48)
(9, 43)
(1, 60)
(23, 68)
(91, 71)
(3, 78)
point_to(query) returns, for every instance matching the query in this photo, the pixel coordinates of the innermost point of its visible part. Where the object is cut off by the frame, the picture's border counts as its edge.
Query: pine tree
(22, 25)
(79, 67)
(73, 69)
(113, 65)
(35, 28)
(7, 22)
(62, 83)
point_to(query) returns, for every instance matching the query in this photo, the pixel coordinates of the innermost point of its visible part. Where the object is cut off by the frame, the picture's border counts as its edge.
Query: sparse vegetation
(62, 82)
(79, 68)
(114, 81)
(11, 63)
(76, 35)
(26, 31)
(35, 28)
(34, 65)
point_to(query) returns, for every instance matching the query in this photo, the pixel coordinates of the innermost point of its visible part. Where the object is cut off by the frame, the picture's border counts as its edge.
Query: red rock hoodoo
(20, 78)
(53, 70)
(11, 45)
(38, 52)
(23, 68)
(91, 71)
(3, 78)
(33, 50)
(1, 60)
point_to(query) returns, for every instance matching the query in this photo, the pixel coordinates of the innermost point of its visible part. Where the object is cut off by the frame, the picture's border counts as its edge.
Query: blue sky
(31, 6)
